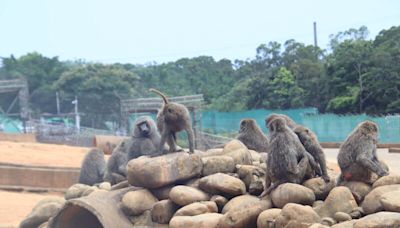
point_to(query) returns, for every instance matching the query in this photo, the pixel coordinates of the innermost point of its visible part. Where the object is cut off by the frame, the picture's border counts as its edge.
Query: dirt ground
(41, 154)
(14, 206)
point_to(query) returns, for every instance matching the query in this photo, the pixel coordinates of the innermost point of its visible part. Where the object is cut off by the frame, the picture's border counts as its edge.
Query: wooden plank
(27, 176)
(394, 150)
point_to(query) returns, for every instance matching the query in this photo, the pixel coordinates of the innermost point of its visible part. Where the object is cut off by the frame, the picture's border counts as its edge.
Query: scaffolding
(20, 86)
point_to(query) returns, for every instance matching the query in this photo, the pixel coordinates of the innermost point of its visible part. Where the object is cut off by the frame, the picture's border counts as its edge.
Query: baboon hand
(326, 178)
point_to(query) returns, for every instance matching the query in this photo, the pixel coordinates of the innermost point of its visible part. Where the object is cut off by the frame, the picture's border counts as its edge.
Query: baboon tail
(159, 93)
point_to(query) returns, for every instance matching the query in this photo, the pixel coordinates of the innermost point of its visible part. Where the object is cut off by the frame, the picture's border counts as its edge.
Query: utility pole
(58, 104)
(77, 118)
(315, 34)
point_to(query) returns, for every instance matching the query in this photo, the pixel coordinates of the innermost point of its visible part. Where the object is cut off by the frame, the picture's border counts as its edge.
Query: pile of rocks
(219, 188)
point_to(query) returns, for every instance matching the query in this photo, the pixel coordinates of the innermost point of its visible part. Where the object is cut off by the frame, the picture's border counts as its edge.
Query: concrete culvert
(99, 209)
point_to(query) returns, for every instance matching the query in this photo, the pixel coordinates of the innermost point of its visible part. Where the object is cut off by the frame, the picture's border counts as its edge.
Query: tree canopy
(355, 75)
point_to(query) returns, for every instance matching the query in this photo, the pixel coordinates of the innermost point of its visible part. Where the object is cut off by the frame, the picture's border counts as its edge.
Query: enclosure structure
(20, 86)
(142, 106)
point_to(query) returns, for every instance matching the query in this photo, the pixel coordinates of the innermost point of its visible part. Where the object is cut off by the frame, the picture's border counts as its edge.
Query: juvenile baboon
(289, 122)
(116, 164)
(145, 139)
(173, 117)
(287, 159)
(357, 156)
(92, 168)
(312, 146)
(251, 135)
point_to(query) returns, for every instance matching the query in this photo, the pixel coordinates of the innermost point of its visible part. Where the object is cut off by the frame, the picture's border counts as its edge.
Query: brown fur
(312, 146)
(357, 156)
(287, 159)
(172, 118)
(289, 122)
(251, 135)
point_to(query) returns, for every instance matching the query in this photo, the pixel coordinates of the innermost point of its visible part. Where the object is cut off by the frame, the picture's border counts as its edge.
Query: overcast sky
(130, 31)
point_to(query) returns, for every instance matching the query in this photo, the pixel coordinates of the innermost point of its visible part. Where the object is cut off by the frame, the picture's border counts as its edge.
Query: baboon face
(144, 127)
(277, 124)
(246, 124)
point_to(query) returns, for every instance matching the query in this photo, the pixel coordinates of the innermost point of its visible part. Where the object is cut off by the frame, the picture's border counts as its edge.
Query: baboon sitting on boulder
(92, 168)
(312, 146)
(357, 156)
(287, 159)
(116, 165)
(251, 135)
(145, 139)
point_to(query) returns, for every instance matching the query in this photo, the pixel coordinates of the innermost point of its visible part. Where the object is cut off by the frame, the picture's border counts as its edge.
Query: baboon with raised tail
(172, 118)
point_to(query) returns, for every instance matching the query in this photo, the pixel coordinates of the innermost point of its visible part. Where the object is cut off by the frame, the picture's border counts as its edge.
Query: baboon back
(92, 168)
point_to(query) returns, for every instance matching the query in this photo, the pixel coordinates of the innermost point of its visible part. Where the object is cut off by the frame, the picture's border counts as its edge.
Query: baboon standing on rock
(252, 136)
(312, 146)
(92, 168)
(172, 118)
(287, 158)
(146, 139)
(357, 157)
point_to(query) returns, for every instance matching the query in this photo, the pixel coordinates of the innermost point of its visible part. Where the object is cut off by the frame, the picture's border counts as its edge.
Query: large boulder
(238, 201)
(358, 189)
(320, 188)
(391, 201)
(76, 191)
(267, 218)
(233, 145)
(163, 211)
(222, 184)
(296, 215)
(387, 180)
(42, 212)
(209, 220)
(372, 203)
(292, 193)
(184, 195)
(163, 170)
(136, 202)
(217, 164)
(380, 219)
(244, 215)
(339, 199)
(197, 208)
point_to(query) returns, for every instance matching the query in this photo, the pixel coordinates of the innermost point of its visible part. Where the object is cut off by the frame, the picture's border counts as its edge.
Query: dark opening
(75, 216)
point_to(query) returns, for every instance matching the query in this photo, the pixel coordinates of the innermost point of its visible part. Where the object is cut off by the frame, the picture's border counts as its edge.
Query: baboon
(173, 117)
(93, 167)
(251, 135)
(357, 156)
(145, 139)
(116, 165)
(292, 125)
(288, 161)
(312, 146)
(289, 122)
